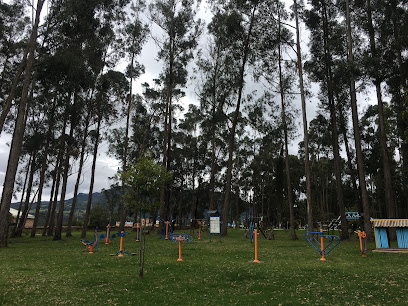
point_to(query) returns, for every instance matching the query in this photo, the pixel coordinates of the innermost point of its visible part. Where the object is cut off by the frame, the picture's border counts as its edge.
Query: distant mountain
(82, 200)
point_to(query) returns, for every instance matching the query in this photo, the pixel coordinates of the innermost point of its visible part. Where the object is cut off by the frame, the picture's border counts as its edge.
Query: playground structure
(137, 226)
(381, 237)
(121, 252)
(181, 238)
(256, 246)
(362, 237)
(197, 224)
(323, 250)
(167, 231)
(91, 246)
(108, 236)
(266, 232)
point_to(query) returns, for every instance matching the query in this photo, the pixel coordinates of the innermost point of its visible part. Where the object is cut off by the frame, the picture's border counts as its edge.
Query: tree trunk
(357, 138)
(401, 120)
(22, 221)
(236, 205)
(142, 253)
(335, 137)
(20, 206)
(47, 217)
(350, 163)
(212, 175)
(61, 162)
(58, 169)
(169, 99)
(69, 148)
(42, 173)
(193, 189)
(95, 153)
(213, 129)
(389, 190)
(285, 132)
(18, 134)
(225, 208)
(122, 207)
(305, 129)
(279, 187)
(60, 216)
(78, 180)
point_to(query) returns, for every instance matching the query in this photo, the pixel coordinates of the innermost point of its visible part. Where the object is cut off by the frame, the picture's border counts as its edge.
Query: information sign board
(215, 225)
(352, 215)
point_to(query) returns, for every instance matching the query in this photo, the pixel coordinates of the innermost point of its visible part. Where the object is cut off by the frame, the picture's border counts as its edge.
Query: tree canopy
(223, 114)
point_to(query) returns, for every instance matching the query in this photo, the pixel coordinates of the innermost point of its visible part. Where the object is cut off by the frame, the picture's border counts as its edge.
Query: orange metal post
(180, 259)
(92, 246)
(362, 235)
(121, 245)
(256, 245)
(199, 229)
(107, 240)
(322, 245)
(137, 231)
(167, 230)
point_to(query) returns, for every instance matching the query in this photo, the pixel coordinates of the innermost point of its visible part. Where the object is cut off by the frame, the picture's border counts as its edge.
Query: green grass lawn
(44, 272)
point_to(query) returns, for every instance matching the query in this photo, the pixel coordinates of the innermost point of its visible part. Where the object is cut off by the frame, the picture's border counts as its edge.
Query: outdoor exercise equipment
(167, 223)
(167, 231)
(323, 250)
(91, 246)
(121, 251)
(200, 225)
(137, 231)
(107, 238)
(362, 237)
(256, 245)
(181, 238)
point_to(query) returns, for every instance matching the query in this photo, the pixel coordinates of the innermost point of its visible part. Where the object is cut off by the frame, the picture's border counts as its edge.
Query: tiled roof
(390, 222)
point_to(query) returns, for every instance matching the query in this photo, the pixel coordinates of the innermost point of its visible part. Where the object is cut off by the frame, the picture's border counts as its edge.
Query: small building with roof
(30, 218)
(381, 228)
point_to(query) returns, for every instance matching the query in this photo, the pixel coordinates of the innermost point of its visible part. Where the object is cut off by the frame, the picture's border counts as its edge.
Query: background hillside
(82, 200)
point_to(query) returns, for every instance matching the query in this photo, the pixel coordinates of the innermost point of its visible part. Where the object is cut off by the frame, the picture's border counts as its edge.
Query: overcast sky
(106, 166)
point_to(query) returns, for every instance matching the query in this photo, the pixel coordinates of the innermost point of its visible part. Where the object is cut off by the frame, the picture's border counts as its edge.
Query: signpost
(215, 227)
(353, 215)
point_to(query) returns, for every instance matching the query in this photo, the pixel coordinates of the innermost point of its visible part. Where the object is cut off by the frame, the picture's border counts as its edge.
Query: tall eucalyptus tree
(107, 45)
(18, 134)
(135, 33)
(325, 43)
(284, 81)
(274, 44)
(304, 118)
(357, 137)
(177, 21)
(377, 73)
(216, 94)
(14, 34)
(237, 24)
(110, 89)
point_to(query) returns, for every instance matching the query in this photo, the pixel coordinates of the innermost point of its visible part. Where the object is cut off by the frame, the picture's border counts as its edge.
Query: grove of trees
(68, 71)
